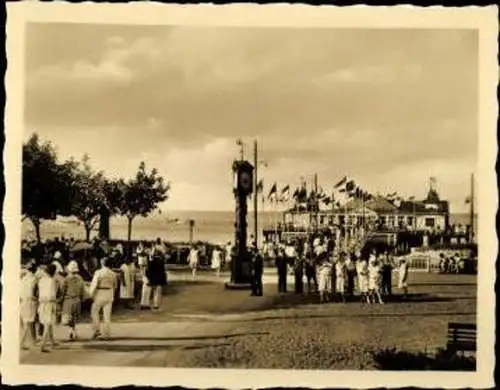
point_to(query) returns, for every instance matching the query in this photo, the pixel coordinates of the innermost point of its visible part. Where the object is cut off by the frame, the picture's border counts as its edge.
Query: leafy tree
(141, 195)
(44, 189)
(88, 193)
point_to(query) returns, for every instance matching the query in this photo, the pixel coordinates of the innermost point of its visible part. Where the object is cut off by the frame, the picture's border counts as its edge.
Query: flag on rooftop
(341, 182)
(260, 186)
(285, 194)
(273, 192)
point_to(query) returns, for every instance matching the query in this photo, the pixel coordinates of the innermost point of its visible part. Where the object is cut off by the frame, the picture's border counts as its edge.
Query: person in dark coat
(298, 268)
(156, 274)
(281, 266)
(386, 275)
(257, 271)
(310, 266)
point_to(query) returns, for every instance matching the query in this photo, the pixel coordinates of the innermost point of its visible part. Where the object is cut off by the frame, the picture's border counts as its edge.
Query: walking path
(137, 344)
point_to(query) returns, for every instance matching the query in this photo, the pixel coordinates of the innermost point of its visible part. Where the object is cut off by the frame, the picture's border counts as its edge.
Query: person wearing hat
(59, 278)
(102, 291)
(28, 305)
(72, 296)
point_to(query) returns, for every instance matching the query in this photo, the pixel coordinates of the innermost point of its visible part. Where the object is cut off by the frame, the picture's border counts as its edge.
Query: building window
(391, 221)
(330, 220)
(321, 219)
(401, 220)
(430, 222)
(382, 220)
(410, 221)
(341, 219)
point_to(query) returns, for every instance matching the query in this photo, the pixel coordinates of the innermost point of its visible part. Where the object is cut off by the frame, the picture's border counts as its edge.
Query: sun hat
(59, 267)
(72, 267)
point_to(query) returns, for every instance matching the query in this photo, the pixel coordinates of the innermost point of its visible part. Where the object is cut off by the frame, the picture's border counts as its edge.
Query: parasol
(81, 246)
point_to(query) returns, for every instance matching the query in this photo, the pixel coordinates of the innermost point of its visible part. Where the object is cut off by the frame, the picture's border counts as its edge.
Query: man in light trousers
(102, 291)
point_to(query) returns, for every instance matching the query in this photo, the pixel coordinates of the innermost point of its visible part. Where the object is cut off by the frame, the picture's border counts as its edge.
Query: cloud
(319, 100)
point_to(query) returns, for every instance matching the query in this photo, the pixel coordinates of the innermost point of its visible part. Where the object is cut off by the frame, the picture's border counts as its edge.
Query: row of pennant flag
(301, 195)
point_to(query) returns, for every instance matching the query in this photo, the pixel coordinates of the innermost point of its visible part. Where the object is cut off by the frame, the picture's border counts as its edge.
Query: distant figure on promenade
(47, 306)
(145, 300)
(362, 271)
(310, 268)
(324, 278)
(340, 277)
(403, 276)
(257, 265)
(142, 254)
(350, 267)
(193, 260)
(156, 273)
(216, 261)
(228, 251)
(73, 294)
(387, 259)
(28, 306)
(127, 281)
(374, 280)
(282, 267)
(102, 291)
(298, 268)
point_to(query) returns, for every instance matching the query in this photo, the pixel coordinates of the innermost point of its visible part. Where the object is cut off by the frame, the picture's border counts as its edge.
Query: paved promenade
(167, 343)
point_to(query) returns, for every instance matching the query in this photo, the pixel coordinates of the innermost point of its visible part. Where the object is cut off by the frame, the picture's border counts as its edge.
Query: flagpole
(316, 204)
(471, 230)
(255, 200)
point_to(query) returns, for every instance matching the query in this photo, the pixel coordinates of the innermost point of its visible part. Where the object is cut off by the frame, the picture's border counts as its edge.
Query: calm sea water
(213, 226)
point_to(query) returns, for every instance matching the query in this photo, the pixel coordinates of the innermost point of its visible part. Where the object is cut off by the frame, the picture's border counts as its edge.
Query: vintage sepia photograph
(225, 196)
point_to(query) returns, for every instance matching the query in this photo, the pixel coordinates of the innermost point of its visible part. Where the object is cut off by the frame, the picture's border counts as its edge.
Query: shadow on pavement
(214, 337)
(148, 347)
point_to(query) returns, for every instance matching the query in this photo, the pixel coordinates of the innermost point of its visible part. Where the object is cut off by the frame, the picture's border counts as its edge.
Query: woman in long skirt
(72, 296)
(403, 277)
(216, 261)
(340, 277)
(362, 270)
(47, 300)
(374, 280)
(193, 260)
(324, 280)
(127, 282)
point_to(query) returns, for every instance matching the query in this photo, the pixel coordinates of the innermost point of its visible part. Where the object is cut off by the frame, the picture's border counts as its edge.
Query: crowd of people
(54, 284)
(336, 274)
(53, 289)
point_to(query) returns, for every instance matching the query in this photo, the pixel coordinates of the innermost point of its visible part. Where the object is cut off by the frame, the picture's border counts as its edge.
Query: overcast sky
(390, 108)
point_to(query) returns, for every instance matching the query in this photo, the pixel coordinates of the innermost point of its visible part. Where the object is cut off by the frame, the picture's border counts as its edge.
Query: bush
(443, 360)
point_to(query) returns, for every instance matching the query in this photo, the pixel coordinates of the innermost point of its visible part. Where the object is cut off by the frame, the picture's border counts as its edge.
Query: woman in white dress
(47, 306)
(362, 270)
(193, 260)
(216, 260)
(403, 276)
(374, 277)
(127, 282)
(340, 277)
(324, 279)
